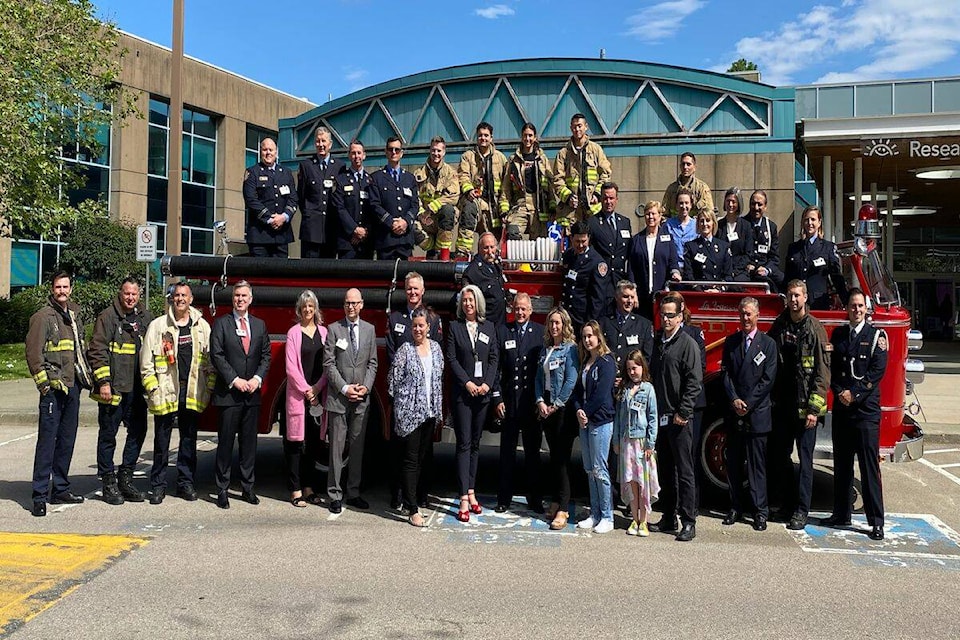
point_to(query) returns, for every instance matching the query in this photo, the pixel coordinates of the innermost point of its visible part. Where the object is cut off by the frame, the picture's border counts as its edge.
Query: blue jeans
(595, 446)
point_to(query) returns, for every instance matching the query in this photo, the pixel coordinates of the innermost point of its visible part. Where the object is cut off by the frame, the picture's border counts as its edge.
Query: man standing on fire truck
(579, 170)
(485, 272)
(800, 402)
(480, 173)
(393, 198)
(270, 197)
(438, 189)
(316, 182)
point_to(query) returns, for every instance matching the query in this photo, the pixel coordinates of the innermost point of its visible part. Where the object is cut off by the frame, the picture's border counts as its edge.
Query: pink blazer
(297, 386)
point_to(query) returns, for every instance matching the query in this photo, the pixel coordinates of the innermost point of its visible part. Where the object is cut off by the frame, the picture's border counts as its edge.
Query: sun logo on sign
(880, 149)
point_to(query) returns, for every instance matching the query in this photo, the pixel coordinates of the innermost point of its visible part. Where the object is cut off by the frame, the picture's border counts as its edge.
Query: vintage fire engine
(532, 267)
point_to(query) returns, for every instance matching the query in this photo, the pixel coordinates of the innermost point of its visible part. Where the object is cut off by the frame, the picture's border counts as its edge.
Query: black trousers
(56, 437)
(794, 488)
(469, 416)
(515, 426)
(317, 249)
(854, 436)
(395, 470)
(186, 422)
(560, 431)
(132, 412)
(677, 482)
(396, 252)
(364, 252)
(750, 448)
(301, 464)
(237, 422)
(413, 448)
(268, 250)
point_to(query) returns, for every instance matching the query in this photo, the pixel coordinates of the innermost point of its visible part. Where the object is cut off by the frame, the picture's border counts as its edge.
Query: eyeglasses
(394, 149)
(669, 315)
(351, 303)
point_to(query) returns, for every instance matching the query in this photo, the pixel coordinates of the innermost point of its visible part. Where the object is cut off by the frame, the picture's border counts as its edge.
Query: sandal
(417, 520)
(559, 521)
(298, 501)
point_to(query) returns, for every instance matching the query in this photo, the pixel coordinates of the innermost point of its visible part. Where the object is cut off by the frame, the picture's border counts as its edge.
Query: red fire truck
(278, 282)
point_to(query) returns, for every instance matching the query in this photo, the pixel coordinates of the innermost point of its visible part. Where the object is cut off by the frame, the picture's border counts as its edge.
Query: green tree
(742, 65)
(59, 87)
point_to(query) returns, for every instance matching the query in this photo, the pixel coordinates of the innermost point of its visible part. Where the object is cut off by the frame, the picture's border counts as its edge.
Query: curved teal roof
(631, 107)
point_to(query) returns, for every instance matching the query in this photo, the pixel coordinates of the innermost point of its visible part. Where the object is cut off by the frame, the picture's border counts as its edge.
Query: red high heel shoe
(476, 508)
(463, 516)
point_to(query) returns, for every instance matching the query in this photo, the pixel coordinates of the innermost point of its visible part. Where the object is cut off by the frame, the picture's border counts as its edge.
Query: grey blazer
(343, 368)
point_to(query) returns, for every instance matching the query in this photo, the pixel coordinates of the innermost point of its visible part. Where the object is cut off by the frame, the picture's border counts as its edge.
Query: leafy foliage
(742, 65)
(54, 57)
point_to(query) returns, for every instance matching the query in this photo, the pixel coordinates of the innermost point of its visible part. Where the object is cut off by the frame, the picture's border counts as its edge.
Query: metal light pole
(175, 140)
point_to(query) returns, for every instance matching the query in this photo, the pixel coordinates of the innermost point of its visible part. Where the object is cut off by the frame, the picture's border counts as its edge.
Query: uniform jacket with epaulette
(114, 353)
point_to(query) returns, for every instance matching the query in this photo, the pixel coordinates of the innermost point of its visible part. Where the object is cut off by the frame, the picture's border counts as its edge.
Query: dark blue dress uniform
(393, 196)
(741, 246)
(267, 191)
(766, 253)
(610, 238)
(316, 182)
(351, 204)
(587, 286)
(858, 364)
(624, 333)
(707, 259)
(490, 279)
(665, 262)
(520, 349)
(749, 373)
(818, 265)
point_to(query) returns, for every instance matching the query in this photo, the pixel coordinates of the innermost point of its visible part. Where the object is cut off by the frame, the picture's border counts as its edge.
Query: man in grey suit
(240, 351)
(350, 362)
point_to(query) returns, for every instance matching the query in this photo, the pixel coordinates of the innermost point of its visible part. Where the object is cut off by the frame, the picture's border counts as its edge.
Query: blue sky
(328, 48)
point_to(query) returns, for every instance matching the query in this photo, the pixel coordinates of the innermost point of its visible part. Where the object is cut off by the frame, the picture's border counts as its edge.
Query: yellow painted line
(37, 570)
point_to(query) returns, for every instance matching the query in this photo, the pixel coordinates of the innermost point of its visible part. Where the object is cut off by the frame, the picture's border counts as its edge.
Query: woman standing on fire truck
(815, 261)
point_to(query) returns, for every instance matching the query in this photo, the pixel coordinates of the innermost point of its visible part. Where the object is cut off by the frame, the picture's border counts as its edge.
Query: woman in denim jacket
(556, 376)
(634, 439)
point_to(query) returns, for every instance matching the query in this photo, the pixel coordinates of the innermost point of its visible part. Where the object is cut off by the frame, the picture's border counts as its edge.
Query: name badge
(363, 195)
(348, 188)
(242, 333)
(284, 190)
(819, 262)
(407, 192)
(634, 340)
(701, 258)
(572, 274)
(554, 364)
(760, 358)
(477, 369)
(733, 236)
(484, 338)
(665, 238)
(264, 178)
(664, 421)
(510, 344)
(399, 327)
(342, 343)
(762, 248)
(625, 233)
(327, 183)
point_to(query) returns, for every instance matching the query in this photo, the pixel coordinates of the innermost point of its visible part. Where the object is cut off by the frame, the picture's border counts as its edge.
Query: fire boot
(445, 255)
(127, 488)
(111, 492)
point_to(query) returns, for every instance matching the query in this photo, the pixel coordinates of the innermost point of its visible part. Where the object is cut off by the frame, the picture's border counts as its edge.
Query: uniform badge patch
(882, 343)
(246, 174)
(602, 269)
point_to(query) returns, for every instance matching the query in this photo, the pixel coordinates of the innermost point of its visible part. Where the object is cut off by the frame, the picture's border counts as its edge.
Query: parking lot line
(928, 452)
(37, 570)
(26, 437)
(938, 469)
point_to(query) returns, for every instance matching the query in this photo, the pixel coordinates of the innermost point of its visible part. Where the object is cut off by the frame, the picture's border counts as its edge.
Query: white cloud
(494, 11)
(859, 39)
(356, 78)
(658, 21)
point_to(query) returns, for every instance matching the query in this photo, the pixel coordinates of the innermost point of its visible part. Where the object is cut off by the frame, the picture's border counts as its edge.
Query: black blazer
(315, 188)
(462, 357)
(741, 246)
(265, 193)
(610, 237)
(749, 377)
(766, 249)
(389, 200)
(818, 265)
(707, 260)
(351, 202)
(519, 356)
(857, 366)
(664, 262)
(697, 334)
(226, 352)
(636, 333)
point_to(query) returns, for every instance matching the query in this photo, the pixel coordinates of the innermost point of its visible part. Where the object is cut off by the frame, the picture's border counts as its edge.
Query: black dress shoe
(358, 503)
(39, 509)
(687, 533)
(336, 506)
(836, 521)
(501, 508)
(251, 497)
(781, 515)
(157, 495)
(876, 533)
(223, 500)
(667, 525)
(66, 498)
(733, 516)
(797, 522)
(187, 492)
(759, 523)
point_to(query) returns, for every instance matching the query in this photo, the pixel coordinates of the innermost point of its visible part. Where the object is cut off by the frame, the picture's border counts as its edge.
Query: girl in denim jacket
(635, 437)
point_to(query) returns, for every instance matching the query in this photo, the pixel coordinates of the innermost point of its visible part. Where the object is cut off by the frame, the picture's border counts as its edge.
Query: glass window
(159, 112)
(913, 97)
(24, 264)
(157, 152)
(198, 205)
(875, 100)
(96, 185)
(156, 199)
(204, 161)
(836, 102)
(947, 95)
(254, 136)
(806, 103)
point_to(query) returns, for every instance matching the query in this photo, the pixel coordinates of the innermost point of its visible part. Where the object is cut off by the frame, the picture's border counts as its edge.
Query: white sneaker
(604, 526)
(587, 523)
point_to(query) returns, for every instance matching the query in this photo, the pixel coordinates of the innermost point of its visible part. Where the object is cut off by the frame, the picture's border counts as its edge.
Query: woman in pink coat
(306, 389)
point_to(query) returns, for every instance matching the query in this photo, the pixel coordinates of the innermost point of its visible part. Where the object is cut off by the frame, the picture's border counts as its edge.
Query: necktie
(245, 338)
(353, 338)
(359, 176)
(747, 343)
(396, 175)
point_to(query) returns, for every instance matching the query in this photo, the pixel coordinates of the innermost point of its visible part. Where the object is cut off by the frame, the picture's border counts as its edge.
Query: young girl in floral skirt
(634, 437)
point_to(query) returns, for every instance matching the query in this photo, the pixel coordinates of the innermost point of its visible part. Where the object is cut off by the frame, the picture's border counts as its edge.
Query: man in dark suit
(625, 330)
(315, 185)
(351, 202)
(749, 371)
(521, 342)
(858, 364)
(350, 362)
(764, 264)
(270, 197)
(240, 351)
(395, 204)
(485, 272)
(610, 232)
(587, 283)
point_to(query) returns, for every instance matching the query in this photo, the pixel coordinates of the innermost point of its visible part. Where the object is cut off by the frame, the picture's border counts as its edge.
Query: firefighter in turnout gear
(480, 174)
(579, 171)
(438, 190)
(528, 199)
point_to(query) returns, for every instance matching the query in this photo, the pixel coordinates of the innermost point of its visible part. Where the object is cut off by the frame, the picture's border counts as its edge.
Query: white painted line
(945, 474)
(932, 451)
(26, 437)
(952, 464)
